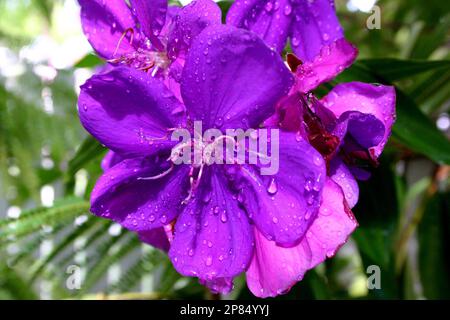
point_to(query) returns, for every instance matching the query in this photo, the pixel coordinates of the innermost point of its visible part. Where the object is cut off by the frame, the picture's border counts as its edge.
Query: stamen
(123, 37)
(159, 176)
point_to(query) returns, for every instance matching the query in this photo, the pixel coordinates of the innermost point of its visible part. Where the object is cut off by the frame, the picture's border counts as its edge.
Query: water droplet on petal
(273, 187)
(223, 217)
(287, 10)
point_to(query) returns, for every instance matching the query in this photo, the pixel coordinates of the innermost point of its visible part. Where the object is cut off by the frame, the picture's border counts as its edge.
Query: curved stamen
(125, 33)
(159, 176)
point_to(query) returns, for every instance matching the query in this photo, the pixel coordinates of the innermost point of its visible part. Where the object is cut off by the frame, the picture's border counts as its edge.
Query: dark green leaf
(434, 248)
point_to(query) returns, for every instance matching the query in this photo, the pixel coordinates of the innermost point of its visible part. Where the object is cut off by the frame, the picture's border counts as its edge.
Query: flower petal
(359, 131)
(152, 17)
(367, 103)
(232, 79)
(332, 227)
(110, 160)
(270, 20)
(284, 205)
(156, 238)
(315, 26)
(130, 194)
(331, 61)
(274, 270)
(129, 112)
(218, 285)
(105, 23)
(212, 235)
(342, 175)
(190, 22)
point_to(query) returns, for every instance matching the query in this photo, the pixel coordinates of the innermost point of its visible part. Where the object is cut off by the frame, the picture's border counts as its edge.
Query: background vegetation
(48, 166)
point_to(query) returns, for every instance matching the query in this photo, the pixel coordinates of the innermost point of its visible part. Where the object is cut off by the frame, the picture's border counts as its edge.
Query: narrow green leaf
(417, 132)
(434, 250)
(392, 70)
(34, 220)
(89, 61)
(89, 150)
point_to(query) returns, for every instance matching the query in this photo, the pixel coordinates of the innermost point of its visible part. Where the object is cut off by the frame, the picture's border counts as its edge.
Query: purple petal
(156, 238)
(359, 131)
(270, 20)
(172, 12)
(151, 15)
(190, 22)
(110, 160)
(105, 23)
(315, 25)
(274, 270)
(132, 195)
(332, 227)
(232, 79)
(331, 61)
(342, 175)
(129, 112)
(367, 106)
(212, 235)
(218, 285)
(284, 205)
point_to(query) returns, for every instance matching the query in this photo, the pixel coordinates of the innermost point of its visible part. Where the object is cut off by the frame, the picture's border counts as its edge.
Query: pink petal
(331, 61)
(274, 270)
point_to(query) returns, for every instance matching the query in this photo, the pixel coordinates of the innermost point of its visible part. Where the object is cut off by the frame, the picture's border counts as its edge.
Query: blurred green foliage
(403, 210)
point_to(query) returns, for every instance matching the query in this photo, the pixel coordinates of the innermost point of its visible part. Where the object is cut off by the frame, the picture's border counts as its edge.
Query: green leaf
(89, 61)
(89, 150)
(107, 256)
(434, 248)
(33, 220)
(415, 130)
(392, 70)
(68, 240)
(378, 205)
(13, 285)
(375, 246)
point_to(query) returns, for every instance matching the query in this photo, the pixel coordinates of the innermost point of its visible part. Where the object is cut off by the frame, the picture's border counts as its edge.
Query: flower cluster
(171, 67)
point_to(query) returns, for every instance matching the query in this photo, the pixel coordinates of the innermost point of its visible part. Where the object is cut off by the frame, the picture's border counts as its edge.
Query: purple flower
(228, 219)
(352, 123)
(309, 24)
(147, 35)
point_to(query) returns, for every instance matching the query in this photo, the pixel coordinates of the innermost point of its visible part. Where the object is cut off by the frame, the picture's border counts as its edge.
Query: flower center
(204, 154)
(143, 58)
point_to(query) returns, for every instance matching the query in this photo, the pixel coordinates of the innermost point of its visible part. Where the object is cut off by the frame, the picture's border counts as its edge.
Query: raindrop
(317, 161)
(287, 10)
(223, 217)
(273, 188)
